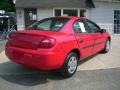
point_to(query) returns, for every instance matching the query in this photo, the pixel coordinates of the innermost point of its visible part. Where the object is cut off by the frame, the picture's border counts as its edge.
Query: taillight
(47, 43)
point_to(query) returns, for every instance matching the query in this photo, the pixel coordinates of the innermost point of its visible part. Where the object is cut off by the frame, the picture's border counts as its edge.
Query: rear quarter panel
(66, 41)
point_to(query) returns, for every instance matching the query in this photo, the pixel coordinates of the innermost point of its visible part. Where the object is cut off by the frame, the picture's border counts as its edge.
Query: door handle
(81, 41)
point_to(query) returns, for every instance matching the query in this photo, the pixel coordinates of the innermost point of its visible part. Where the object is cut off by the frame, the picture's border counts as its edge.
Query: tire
(70, 66)
(107, 47)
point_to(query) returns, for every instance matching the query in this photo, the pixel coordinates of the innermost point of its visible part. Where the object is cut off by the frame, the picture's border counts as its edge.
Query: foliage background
(7, 5)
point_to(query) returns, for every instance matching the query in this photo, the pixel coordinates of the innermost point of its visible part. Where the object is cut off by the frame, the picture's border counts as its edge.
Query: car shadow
(20, 75)
(87, 59)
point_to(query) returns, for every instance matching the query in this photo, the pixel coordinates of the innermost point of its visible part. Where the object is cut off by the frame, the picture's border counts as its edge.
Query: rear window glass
(53, 24)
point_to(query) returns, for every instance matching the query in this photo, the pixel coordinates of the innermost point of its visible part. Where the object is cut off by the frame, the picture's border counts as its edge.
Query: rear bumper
(38, 59)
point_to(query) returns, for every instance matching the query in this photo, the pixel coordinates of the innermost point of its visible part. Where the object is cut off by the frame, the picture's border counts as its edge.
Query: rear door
(99, 38)
(84, 39)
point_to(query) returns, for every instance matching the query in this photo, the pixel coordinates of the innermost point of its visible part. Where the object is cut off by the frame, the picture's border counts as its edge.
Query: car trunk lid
(28, 39)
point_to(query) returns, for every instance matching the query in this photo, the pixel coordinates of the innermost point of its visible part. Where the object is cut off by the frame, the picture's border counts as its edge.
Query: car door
(84, 39)
(99, 38)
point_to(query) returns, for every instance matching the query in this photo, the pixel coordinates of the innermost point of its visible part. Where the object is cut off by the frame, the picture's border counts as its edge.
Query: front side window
(49, 24)
(93, 27)
(79, 27)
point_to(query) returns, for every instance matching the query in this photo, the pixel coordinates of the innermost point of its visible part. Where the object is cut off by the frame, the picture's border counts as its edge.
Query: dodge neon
(57, 43)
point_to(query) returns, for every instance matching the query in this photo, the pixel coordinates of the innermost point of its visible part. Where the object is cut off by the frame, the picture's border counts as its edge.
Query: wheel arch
(77, 51)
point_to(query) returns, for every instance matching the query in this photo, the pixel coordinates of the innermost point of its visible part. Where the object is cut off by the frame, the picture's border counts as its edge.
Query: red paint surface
(23, 47)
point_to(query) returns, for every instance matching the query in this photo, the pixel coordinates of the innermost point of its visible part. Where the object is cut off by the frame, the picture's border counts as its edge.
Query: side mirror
(103, 30)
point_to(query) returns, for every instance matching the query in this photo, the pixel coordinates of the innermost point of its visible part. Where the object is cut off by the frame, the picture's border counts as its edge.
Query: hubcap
(107, 45)
(72, 64)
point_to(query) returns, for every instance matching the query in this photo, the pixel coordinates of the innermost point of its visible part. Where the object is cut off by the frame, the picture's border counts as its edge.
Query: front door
(30, 15)
(84, 39)
(99, 38)
(117, 22)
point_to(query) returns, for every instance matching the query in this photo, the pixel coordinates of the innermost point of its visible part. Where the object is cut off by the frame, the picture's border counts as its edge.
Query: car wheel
(107, 47)
(70, 66)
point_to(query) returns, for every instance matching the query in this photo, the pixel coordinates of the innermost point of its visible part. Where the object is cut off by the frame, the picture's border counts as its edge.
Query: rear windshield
(53, 24)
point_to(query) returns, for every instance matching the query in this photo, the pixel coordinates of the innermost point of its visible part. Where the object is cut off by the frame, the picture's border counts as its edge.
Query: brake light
(47, 43)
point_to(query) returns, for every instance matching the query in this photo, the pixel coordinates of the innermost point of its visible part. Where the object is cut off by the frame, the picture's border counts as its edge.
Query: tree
(7, 5)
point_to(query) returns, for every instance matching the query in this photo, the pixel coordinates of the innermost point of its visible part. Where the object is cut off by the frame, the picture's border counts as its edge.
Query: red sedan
(57, 43)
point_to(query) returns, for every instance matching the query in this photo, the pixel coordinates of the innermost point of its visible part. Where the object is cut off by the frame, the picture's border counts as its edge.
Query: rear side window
(79, 27)
(53, 24)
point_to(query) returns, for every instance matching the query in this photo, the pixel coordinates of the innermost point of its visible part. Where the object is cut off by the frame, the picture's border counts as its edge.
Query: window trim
(54, 12)
(62, 9)
(115, 24)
